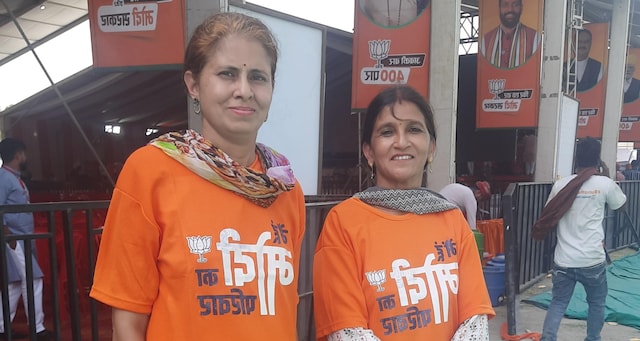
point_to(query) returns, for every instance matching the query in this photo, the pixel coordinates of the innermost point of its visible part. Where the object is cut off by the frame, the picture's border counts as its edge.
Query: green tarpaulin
(623, 301)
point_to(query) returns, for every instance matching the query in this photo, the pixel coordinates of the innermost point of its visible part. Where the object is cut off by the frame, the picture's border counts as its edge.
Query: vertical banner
(390, 46)
(630, 120)
(509, 63)
(591, 85)
(137, 33)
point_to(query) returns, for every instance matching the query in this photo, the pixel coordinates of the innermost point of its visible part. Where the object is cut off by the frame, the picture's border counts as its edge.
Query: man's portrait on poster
(511, 43)
(392, 13)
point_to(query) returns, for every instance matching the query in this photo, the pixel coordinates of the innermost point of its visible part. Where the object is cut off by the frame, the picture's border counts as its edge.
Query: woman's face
(400, 147)
(234, 89)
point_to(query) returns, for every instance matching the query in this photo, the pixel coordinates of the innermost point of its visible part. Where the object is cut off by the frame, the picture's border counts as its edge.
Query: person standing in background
(13, 191)
(463, 197)
(529, 147)
(579, 254)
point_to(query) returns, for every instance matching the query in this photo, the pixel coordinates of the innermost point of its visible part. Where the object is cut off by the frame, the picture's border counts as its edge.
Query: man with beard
(13, 191)
(631, 85)
(511, 43)
(589, 70)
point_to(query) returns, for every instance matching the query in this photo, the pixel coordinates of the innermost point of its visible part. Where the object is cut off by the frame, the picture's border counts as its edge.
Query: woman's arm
(129, 326)
(353, 334)
(475, 328)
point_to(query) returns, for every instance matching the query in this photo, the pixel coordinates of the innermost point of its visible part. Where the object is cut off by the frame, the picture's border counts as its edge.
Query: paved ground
(531, 318)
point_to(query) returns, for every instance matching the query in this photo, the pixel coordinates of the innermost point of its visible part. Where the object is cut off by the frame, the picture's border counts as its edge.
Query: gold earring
(373, 171)
(430, 164)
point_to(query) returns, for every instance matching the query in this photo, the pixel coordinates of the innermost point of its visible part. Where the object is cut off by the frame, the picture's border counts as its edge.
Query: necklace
(389, 12)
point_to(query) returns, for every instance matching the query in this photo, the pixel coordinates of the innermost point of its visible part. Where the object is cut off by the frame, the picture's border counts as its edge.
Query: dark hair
(391, 96)
(588, 152)
(221, 25)
(585, 31)
(9, 147)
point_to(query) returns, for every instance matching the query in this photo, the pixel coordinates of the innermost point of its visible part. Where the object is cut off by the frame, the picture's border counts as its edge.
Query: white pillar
(443, 87)
(197, 11)
(550, 89)
(615, 80)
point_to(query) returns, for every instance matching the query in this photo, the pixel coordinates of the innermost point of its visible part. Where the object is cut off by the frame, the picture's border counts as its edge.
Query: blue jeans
(594, 280)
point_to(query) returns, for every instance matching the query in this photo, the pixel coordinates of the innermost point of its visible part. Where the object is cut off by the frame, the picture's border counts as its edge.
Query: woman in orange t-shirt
(397, 261)
(202, 239)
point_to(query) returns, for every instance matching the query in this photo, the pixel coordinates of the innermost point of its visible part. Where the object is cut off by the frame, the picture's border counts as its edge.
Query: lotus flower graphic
(199, 246)
(377, 278)
(379, 50)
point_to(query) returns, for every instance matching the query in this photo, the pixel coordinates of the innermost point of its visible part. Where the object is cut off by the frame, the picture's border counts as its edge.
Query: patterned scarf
(518, 50)
(208, 161)
(418, 200)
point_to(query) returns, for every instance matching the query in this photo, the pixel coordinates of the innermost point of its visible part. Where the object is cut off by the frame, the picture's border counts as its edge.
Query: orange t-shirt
(203, 261)
(406, 277)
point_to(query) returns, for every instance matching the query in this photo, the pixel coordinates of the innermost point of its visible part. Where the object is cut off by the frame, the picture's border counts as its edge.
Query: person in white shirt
(579, 255)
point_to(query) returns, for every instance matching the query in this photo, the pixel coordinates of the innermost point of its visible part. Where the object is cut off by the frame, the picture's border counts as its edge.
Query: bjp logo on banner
(390, 46)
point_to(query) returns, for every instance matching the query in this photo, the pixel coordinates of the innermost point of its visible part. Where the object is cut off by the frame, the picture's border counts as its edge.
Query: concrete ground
(530, 318)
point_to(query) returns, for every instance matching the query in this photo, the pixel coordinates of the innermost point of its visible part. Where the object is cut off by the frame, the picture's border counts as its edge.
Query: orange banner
(630, 120)
(390, 46)
(592, 80)
(137, 33)
(509, 63)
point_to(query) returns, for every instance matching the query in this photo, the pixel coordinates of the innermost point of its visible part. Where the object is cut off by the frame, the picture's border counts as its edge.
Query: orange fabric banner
(592, 78)
(493, 231)
(630, 120)
(137, 33)
(509, 63)
(390, 46)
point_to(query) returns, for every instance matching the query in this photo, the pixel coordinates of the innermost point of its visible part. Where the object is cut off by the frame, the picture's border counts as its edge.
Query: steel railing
(69, 290)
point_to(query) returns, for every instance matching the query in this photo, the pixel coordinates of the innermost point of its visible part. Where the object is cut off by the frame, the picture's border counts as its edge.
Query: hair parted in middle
(215, 28)
(390, 96)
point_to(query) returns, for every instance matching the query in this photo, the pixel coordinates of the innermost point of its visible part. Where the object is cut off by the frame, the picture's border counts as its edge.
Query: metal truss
(468, 33)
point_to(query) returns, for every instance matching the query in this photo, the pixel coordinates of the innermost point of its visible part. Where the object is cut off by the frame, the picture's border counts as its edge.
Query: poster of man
(630, 120)
(390, 13)
(588, 70)
(511, 43)
(631, 85)
(509, 62)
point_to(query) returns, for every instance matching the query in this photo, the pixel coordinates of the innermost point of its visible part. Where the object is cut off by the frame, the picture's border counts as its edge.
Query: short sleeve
(126, 275)
(338, 300)
(615, 197)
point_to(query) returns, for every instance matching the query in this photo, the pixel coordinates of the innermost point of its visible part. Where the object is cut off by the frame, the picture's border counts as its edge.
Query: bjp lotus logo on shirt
(377, 278)
(199, 245)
